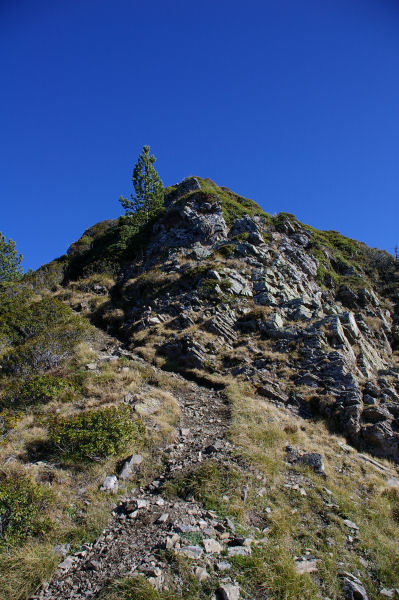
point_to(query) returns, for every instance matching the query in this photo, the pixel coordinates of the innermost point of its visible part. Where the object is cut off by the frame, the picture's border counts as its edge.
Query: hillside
(206, 406)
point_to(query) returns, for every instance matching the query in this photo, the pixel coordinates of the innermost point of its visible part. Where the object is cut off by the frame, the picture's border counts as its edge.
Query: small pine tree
(148, 198)
(10, 260)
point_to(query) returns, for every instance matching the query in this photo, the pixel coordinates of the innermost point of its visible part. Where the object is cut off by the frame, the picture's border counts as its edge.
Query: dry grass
(24, 569)
(358, 491)
(374, 323)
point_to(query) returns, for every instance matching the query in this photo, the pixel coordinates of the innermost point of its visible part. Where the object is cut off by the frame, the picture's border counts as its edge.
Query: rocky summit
(202, 406)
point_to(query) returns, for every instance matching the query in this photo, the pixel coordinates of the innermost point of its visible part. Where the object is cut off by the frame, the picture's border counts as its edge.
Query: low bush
(96, 433)
(50, 350)
(37, 389)
(21, 505)
(227, 250)
(8, 420)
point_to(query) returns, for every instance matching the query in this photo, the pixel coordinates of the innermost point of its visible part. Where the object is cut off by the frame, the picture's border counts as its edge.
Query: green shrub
(21, 504)
(241, 237)
(209, 288)
(8, 420)
(96, 433)
(52, 349)
(37, 389)
(227, 250)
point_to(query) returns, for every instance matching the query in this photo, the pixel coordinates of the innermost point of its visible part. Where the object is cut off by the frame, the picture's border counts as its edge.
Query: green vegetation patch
(233, 205)
(135, 588)
(38, 389)
(21, 505)
(96, 433)
(207, 484)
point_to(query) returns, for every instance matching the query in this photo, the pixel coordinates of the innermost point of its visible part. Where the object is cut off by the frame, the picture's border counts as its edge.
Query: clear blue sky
(294, 104)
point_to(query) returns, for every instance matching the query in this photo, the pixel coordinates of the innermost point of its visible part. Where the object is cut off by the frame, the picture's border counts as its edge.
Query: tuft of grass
(25, 568)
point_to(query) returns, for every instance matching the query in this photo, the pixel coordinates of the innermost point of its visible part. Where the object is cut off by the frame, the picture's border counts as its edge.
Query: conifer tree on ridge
(148, 198)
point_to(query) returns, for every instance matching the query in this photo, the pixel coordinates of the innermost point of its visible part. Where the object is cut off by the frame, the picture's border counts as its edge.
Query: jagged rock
(301, 239)
(369, 400)
(250, 227)
(375, 414)
(273, 393)
(382, 438)
(238, 284)
(130, 465)
(351, 329)
(200, 252)
(353, 588)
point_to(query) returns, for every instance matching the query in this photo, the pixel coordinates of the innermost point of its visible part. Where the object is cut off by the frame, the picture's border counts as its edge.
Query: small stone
(393, 482)
(171, 541)
(66, 564)
(228, 591)
(163, 518)
(91, 366)
(110, 484)
(141, 503)
(351, 524)
(181, 528)
(212, 546)
(184, 432)
(305, 566)
(223, 565)
(238, 551)
(387, 593)
(62, 549)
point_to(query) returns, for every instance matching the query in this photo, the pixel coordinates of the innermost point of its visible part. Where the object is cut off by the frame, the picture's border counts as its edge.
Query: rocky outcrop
(322, 342)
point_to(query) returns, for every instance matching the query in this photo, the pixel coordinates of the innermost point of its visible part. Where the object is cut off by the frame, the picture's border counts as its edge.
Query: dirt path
(145, 522)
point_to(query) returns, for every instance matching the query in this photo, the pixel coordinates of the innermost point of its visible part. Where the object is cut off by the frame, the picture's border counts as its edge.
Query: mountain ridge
(250, 364)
